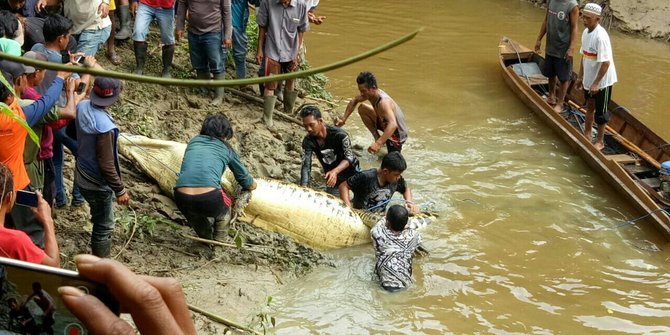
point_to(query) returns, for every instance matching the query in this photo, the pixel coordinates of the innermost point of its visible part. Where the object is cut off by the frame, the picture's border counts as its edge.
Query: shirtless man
(382, 114)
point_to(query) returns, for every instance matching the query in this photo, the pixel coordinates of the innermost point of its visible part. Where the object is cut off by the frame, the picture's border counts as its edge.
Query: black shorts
(602, 99)
(202, 210)
(557, 67)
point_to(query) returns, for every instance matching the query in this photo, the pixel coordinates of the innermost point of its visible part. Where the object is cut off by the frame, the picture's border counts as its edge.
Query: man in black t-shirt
(374, 188)
(331, 146)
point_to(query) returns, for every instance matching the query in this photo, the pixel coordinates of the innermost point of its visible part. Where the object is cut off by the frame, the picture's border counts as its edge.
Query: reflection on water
(529, 240)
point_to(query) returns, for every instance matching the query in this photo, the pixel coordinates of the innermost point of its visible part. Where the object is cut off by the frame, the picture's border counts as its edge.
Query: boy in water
(395, 246)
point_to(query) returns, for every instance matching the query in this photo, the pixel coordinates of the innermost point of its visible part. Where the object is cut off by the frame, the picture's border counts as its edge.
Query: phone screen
(80, 88)
(31, 301)
(26, 198)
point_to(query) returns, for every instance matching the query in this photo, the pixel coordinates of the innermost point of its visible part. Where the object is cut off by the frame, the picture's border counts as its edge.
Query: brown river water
(530, 240)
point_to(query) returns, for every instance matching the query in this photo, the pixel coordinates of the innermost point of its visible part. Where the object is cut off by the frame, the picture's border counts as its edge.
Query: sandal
(114, 58)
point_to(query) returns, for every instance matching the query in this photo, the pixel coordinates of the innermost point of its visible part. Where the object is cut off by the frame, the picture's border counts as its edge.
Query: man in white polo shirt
(597, 73)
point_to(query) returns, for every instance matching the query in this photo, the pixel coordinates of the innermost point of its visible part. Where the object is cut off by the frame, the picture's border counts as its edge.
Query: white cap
(593, 8)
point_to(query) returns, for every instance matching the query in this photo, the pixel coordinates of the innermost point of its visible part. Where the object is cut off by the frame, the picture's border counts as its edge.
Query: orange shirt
(12, 144)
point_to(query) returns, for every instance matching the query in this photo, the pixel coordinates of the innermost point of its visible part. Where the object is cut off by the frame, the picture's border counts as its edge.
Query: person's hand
(123, 199)
(374, 147)
(538, 46)
(133, 7)
(103, 10)
(259, 56)
(569, 53)
(90, 61)
(228, 43)
(179, 34)
(593, 89)
(63, 74)
(40, 5)
(295, 64)
(331, 178)
(43, 210)
(70, 85)
(157, 305)
(412, 208)
(578, 84)
(339, 122)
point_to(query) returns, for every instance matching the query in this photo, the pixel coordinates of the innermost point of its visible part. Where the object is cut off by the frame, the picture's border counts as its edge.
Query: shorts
(394, 144)
(275, 67)
(602, 99)
(557, 67)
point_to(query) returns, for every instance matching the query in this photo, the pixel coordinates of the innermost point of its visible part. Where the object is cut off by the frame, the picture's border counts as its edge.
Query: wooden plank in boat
(634, 169)
(512, 50)
(653, 182)
(622, 158)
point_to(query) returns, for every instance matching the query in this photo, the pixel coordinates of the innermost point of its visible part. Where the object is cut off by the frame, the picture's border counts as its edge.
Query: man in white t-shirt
(597, 73)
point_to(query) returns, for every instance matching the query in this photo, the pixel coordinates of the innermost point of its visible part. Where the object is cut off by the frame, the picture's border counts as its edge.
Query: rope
(211, 83)
(634, 221)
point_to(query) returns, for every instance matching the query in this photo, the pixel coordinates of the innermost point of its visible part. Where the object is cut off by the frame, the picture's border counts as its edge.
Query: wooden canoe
(633, 154)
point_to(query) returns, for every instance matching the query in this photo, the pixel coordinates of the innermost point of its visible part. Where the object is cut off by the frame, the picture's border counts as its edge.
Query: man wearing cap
(560, 26)
(281, 25)
(13, 135)
(97, 169)
(597, 73)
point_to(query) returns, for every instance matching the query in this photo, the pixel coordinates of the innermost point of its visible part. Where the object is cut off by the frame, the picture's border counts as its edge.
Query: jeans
(60, 139)
(102, 215)
(164, 17)
(240, 51)
(207, 52)
(90, 41)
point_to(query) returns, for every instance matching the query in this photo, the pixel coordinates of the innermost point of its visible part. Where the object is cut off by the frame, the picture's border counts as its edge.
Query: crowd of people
(71, 110)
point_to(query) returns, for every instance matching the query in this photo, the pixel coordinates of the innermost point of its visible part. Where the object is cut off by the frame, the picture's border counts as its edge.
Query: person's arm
(579, 83)
(390, 128)
(42, 4)
(344, 192)
(157, 305)
(543, 31)
(411, 206)
(331, 176)
(240, 172)
(306, 169)
(262, 13)
(227, 18)
(350, 109)
(261, 44)
(132, 5)
(43, 215)
(36, 111)
(574, 17)
(69, 111)
(104, 148)
(604, 66)
(348, 155)
(180, 19)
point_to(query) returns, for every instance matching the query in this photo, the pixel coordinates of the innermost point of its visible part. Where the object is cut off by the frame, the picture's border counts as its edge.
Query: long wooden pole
(221, 319)
(624, 141)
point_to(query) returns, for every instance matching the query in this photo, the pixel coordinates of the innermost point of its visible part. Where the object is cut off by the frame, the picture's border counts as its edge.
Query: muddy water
(530, 240)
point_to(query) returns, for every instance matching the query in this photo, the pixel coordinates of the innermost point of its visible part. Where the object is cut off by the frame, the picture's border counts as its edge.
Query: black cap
(105, 91)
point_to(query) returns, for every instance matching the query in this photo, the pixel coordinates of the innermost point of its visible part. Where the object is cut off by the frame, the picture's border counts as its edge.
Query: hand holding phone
(80, 88)
(157, 305)
(26, 198)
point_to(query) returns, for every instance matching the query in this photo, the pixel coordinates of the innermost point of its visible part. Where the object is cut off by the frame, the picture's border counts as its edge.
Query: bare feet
(551, 100)
(599, 146)
(558, 108)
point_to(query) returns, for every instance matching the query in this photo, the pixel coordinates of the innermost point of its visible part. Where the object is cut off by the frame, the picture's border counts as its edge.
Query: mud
(650, 18)
(229, 281)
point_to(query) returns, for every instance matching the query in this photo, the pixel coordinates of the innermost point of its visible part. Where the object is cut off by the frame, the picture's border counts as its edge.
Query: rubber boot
(168, 55)
(202, 75)
(140, 56)
(219, 90)
(268, 108)
(124, 21)
(221, 225)
(289, 101)
(101, 249)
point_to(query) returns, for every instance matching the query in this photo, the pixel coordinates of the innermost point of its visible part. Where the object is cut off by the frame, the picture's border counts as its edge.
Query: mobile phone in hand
(26, 198)
(30, 291)
(80, 88)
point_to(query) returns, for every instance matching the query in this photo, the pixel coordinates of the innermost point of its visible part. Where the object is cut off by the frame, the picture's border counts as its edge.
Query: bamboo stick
(221, 319)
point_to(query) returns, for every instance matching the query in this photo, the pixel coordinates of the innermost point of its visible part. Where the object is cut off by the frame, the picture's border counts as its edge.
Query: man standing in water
(560, 25)
(597, 73)
(383, 114)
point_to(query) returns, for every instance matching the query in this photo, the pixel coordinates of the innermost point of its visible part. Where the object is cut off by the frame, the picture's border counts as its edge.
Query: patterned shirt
(394, 254)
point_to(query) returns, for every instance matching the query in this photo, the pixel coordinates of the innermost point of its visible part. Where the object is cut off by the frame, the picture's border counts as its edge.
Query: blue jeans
(102, 215)
(90, 41)
(60, 139)
(164, 17)
(240, 51)
(207, 52)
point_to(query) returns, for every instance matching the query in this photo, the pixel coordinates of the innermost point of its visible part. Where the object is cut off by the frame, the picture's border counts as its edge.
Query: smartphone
(80, 59)
(28, 290)
(26, 198)
(80, 88)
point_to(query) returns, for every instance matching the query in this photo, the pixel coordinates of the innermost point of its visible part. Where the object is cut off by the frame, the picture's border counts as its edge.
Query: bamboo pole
(221, 319)
(624, 141)
(211, 83)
